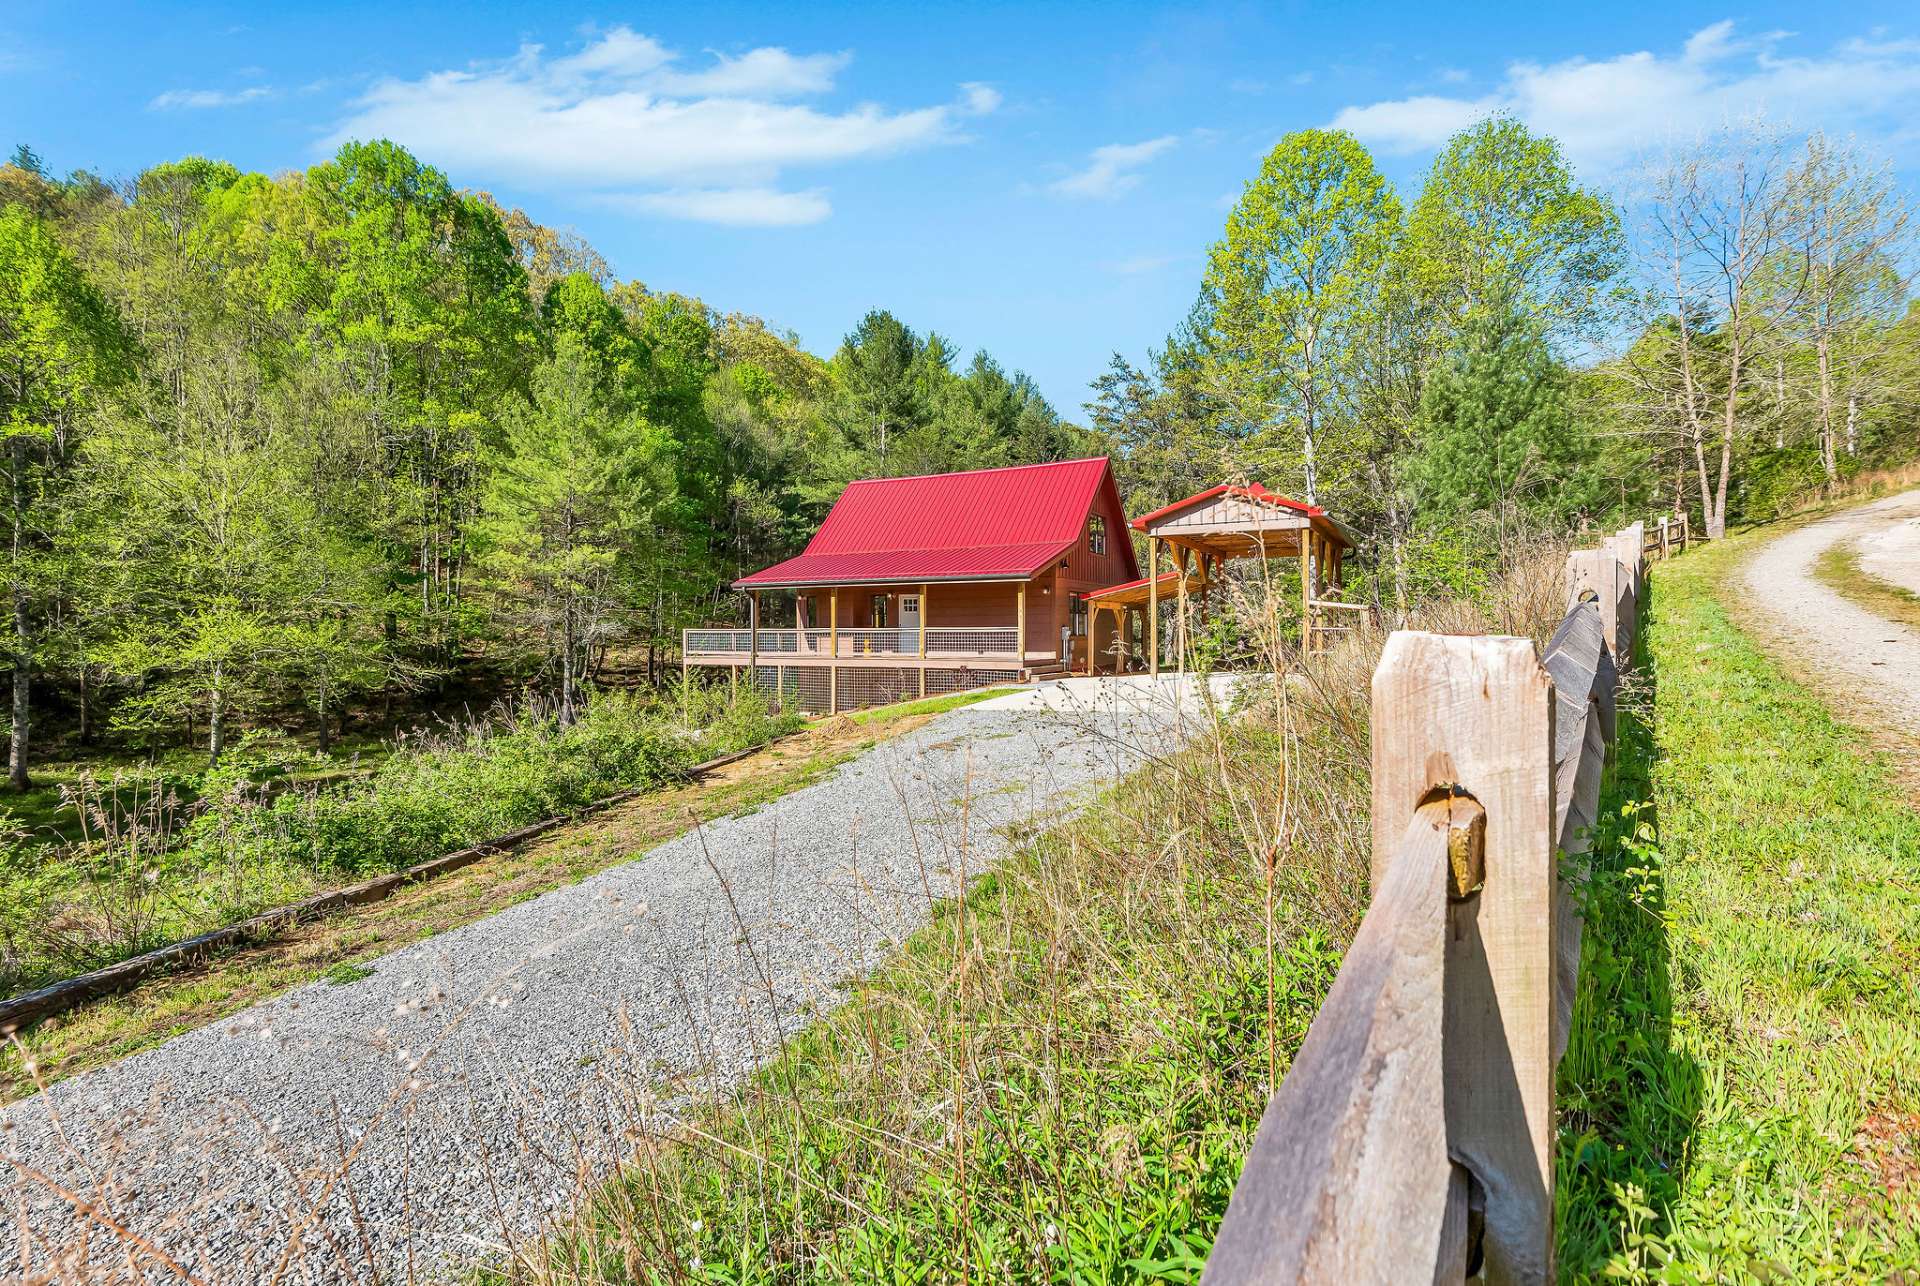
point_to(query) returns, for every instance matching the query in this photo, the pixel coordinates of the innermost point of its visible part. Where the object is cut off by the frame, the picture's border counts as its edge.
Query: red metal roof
(1132, 587)
(987, 524)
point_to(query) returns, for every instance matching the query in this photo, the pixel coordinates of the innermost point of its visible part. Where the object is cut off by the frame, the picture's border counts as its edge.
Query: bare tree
(1853, 220)
(1725, 265)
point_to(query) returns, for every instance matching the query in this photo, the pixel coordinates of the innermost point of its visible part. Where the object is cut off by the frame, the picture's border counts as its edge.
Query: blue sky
(1040, 180)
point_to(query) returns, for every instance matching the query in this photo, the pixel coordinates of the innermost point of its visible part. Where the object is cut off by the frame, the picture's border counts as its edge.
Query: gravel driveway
(1818, 630)
(472, 1079)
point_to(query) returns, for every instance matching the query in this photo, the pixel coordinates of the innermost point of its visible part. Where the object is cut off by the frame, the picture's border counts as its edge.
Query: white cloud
(1452, 76)
(978, 99)
(1413, 124)
(734, 207)
(1605, 111)
(759, 73)
(628, 118)
(201, 98)
(1112, 169)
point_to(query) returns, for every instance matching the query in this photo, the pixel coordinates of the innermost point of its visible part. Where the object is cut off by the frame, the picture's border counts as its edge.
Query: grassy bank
(1741, 1094)
(155, 864)
(336, 948)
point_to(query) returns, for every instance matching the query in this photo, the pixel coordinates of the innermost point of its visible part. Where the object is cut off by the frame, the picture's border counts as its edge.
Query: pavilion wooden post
(1180, 559)
(1153, 607)
(1020, 627)
(1475, 716)
(1306, 591)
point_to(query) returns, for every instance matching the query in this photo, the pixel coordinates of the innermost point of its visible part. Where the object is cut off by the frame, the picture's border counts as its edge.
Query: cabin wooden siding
(947, 605)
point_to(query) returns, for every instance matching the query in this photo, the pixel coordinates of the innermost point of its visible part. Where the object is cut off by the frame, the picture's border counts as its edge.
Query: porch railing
(942, 641)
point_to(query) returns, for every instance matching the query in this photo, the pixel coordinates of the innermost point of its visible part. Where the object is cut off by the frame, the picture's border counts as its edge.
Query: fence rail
(1413, 1137)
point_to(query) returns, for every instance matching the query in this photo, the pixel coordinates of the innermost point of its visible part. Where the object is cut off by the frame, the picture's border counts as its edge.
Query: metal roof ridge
(966, 473)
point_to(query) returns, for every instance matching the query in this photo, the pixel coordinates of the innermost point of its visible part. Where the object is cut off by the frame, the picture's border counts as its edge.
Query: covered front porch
(856, 645)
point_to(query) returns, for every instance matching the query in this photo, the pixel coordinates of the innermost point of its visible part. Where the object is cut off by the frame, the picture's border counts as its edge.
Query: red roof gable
(1323, 521)
(988, 524)
(1253, 491)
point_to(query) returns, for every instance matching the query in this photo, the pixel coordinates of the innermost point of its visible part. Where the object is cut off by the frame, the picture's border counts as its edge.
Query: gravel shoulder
(1853, 654)
(477, 1082)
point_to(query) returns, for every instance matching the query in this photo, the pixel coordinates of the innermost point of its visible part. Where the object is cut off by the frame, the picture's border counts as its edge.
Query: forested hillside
(297, 449)
(279, 445)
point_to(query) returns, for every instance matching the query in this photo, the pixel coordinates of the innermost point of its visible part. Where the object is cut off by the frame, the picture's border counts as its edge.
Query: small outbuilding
(1243, 521)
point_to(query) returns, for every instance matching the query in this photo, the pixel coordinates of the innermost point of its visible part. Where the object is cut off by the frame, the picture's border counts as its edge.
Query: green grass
(928, 705)
(1740, 1100)
(344, 972)
(1839, 567)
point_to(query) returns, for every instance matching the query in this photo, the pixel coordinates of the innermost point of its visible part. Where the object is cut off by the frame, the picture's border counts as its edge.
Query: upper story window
(1096, 534)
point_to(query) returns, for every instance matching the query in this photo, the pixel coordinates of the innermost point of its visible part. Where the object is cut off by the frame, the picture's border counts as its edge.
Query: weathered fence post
(1599, 571)
(1423, 1091)
(1477, 715)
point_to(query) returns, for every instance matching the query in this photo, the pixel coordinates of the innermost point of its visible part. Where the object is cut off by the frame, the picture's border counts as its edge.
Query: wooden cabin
(915, 586)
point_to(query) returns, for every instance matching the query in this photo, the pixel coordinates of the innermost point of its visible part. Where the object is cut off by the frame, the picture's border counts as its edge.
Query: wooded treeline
(277, 446)
(1511, 351)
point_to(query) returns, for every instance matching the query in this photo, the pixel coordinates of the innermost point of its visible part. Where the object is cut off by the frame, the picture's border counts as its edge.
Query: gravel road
(472, 1079)
(1819, 631)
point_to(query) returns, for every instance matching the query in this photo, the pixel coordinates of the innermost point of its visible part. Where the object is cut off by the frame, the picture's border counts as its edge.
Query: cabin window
(1097, 534)
(880, 611)
(1077, 609)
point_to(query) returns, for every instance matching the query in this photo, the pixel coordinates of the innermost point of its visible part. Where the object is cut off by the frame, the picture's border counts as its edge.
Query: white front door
(910, 623)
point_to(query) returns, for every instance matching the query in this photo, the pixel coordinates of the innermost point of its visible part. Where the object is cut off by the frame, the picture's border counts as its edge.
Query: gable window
(1096, 534)
(880, 611)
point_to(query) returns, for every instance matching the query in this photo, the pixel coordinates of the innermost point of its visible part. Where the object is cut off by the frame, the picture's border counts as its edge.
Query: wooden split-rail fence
(1666, 536)
(1412, 1140)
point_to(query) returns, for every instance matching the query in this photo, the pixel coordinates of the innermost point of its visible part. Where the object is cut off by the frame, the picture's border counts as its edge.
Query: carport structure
(1236, 521)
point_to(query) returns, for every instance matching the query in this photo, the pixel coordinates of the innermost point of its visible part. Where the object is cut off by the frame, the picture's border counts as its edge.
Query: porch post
(923, 632)
(1153, 607)
(1020, 627)
(753, 634)
(833, 621)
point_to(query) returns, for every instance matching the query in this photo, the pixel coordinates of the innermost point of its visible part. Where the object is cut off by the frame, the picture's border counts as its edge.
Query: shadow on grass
(1628, 1097)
